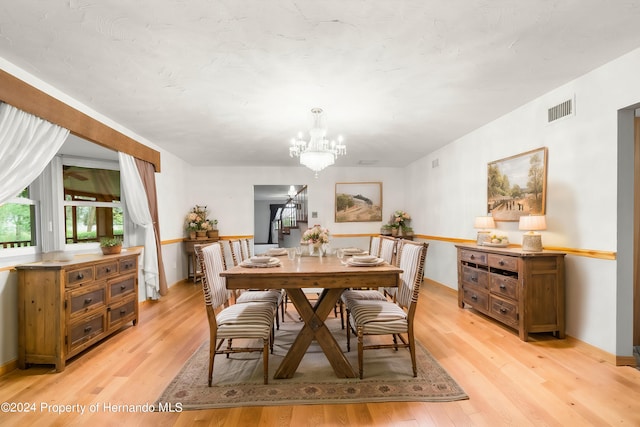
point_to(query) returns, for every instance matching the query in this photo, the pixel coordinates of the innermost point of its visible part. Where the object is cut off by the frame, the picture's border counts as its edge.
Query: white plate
(273, 262)
(379, 261)
(495, 245)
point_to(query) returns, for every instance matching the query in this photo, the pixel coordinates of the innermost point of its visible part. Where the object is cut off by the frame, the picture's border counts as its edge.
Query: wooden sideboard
(65, 307)
(523, 290)
(192, 261)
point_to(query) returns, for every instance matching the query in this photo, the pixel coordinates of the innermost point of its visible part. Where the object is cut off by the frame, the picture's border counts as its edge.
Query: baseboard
(8, 367)
(587, 349)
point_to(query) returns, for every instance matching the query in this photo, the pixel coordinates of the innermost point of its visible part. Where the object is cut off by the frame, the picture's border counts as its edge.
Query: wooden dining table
(331, 277)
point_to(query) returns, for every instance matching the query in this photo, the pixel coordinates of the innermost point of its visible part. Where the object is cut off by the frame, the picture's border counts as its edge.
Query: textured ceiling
(230, 82)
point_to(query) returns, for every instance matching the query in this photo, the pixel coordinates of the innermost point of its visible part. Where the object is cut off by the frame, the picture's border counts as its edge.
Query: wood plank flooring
(545, 381)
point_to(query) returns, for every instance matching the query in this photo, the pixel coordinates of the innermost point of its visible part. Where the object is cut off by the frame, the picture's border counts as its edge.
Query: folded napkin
(260, 259)
(364, 258)
(277, 251)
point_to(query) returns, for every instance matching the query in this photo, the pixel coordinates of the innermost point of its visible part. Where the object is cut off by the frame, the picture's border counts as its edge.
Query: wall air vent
(561, 110)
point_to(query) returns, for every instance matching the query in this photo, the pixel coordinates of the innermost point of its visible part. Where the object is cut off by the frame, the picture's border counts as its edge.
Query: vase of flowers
(316, 237)
(196, 222)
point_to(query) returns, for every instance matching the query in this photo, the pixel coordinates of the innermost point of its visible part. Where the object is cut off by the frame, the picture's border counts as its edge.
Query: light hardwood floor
(510, 383)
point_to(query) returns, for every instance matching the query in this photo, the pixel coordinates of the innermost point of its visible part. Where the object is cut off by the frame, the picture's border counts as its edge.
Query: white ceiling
(230, 82)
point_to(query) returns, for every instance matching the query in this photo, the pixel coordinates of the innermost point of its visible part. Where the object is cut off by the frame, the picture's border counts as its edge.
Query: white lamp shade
(532, 223)
(484, 222)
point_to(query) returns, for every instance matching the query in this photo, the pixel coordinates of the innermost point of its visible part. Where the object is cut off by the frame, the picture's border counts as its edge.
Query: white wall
(582, 193)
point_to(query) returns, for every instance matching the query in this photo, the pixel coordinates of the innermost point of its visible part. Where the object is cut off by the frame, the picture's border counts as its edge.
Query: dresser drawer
(121, 287)
(503, 262)
(504, 309)
(475, 277)
(106, 270)
(83, 300)
(476, 298)
(506, 286)
(84, 330)
(127, 265)
(122, 312)
(79, 276)
(474, 257)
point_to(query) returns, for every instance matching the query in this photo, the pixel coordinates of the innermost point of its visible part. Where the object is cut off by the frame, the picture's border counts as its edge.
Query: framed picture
(517, 185)
(358, 201)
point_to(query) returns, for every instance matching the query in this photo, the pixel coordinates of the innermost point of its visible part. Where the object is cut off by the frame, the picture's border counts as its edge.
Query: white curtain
(27, 144)
(51, 190)
(138, 209)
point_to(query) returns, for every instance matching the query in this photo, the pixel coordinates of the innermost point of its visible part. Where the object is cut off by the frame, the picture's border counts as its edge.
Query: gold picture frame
(358, 202)
(517, 185)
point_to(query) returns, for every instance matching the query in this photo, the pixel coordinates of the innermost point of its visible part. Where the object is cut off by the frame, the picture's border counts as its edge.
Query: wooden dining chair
(274, 296)
(395, 318)
(246, 248)
(374, 245)
(387, 250)
(238, 321)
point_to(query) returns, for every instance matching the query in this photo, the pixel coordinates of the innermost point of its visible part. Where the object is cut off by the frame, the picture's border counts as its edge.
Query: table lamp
(532, 241)
(484, 223)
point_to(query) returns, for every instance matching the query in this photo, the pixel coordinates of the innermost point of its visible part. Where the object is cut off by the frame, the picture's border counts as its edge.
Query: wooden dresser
(65, 307)
(524, 290)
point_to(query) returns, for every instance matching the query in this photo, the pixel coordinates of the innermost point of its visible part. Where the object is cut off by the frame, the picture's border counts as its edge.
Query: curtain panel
(27, 145)
(138, 208)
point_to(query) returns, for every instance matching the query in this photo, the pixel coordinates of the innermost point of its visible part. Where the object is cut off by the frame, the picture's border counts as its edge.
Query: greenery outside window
(18, 222)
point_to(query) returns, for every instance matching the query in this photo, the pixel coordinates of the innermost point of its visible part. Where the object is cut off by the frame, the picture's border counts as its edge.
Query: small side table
(193, 270)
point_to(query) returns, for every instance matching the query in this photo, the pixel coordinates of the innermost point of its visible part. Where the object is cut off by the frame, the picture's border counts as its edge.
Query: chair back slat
(411, 259)
(212, 264)
(236, 251)
(246, 247)
(387, 248)
(374, 246)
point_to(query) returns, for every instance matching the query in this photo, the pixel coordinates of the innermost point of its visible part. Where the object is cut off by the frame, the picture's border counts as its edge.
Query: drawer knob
(501, 262)
(503, 310)
(474, 297)
(472, 256)
(88, 300)
(87, 329)
(108, 269)
(123, 287)
(123, 311)
(474, 279)
(80, 276)
(502, 287)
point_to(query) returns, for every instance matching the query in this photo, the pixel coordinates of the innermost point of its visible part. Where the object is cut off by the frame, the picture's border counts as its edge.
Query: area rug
(238, 380)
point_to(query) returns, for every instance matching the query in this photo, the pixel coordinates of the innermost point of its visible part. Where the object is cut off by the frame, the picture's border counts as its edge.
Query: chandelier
(319, 152)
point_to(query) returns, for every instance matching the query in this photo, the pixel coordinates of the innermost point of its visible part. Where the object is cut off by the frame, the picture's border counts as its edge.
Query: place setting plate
(365, 261)
(260, 262)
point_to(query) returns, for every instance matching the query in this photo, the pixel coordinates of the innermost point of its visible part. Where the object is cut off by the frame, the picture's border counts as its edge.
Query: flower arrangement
(316, 235)
(196, 219)
(400, 219)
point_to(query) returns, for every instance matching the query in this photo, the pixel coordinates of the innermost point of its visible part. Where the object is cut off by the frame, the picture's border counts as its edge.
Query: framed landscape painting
(517, 185)
(358, 201)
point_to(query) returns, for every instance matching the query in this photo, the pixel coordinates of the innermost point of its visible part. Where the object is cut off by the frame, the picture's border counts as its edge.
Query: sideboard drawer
(123, 312)
(83, 300)
(122, 287)
(504, 285)
(475, 277)
(128, 264)
(476, 298)
(503, 262)
(106, 270)
(81, 275)
(474, 257)
(504, 309)
(84, 330)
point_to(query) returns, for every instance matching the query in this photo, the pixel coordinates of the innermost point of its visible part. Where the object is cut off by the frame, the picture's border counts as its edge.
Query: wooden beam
(21, 95)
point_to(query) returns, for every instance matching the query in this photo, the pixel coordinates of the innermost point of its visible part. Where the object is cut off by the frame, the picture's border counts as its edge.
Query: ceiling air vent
(559, 111)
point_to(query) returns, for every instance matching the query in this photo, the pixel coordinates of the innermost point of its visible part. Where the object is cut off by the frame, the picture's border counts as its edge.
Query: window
(18, 222)
(91, 204)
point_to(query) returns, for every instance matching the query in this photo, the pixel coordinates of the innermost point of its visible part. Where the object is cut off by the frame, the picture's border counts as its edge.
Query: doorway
(269, 202)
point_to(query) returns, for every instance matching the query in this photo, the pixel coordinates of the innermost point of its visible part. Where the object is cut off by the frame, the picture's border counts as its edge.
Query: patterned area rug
(238, 380)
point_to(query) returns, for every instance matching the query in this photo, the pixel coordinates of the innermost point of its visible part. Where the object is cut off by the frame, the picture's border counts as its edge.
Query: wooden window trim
(21, 95)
